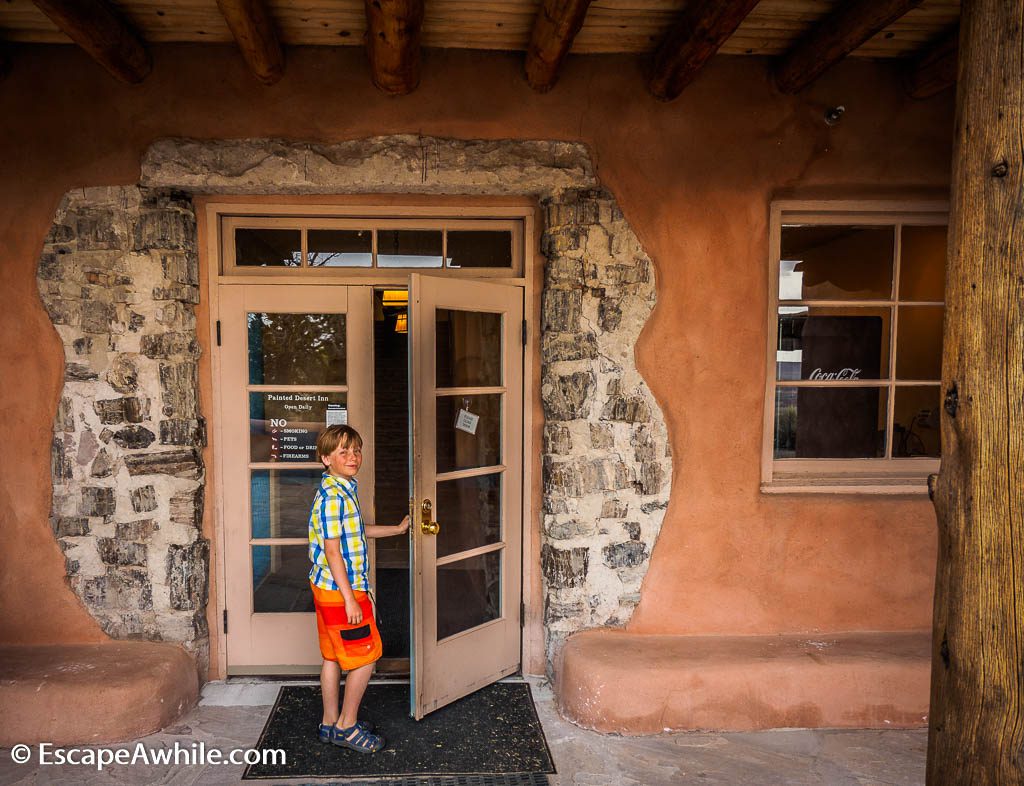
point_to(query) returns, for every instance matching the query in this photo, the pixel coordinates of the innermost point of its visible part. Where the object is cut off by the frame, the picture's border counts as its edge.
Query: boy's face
(345, 460)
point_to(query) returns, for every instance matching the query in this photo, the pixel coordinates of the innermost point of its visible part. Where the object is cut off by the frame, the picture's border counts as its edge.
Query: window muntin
(858, 347)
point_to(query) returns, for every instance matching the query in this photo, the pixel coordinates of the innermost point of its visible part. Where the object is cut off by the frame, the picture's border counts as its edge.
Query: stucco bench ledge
(92, 693)
(628, 683)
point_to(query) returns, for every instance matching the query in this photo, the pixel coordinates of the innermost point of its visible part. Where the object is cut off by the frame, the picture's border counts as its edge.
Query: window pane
(268, 247)
(468, 593)
(283, 426)
(459, 449)
(923, 263)
(296, 349)
(830, 422)
(280, 579)
(280, 500)
(832, 343)
(836, 263)
(468, 347)
(469, 512)
(340, 247)
(479, 249)
(408, 248)
(919, 343)
(915, 428)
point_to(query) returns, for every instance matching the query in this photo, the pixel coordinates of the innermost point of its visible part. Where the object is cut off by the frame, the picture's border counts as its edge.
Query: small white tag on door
(337, 415)
(467, 421)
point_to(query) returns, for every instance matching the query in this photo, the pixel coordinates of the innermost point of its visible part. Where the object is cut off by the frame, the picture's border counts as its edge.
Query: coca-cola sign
(842, 374)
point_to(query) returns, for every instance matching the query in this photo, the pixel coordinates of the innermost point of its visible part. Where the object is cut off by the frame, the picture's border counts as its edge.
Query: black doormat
(494, 731)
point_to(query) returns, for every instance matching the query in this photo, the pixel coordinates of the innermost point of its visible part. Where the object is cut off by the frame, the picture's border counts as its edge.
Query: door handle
(427, 525)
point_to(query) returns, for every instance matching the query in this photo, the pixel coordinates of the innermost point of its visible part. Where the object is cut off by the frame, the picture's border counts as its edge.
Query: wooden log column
(976, 726)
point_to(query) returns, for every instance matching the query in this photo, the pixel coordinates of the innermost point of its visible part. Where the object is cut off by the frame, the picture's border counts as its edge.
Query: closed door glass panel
(340, 247)
(915, 427)
(919, 343)
(296, 349)
(279, 500)
(409, 248)
(830, 344)
(830, 422)
(836, 263)
(284, 425)
(469, 512)
(923, 263)
(268, 247)
(468, 348)
(468, 593)
(479, 249)
(280, 579)
(468, 432)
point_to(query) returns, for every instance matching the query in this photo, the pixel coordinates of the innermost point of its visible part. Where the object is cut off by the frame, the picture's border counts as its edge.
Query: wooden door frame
(208, 212)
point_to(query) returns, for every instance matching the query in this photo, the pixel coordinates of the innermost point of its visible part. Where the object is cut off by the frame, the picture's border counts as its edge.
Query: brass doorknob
(427, 525)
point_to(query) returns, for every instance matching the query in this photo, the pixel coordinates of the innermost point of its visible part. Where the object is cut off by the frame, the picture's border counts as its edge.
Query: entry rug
(494, 731)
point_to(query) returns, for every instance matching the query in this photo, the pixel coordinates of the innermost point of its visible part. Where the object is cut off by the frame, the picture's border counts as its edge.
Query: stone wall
(118, 275)
(119, 278)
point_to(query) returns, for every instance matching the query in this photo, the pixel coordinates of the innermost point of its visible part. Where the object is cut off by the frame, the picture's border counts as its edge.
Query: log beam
(849, 26)
(254, 32)
(103, 35)
(701, 29)
(5, 62)
(976, 720)
(393, 29)
(935, 70)
(554, 29)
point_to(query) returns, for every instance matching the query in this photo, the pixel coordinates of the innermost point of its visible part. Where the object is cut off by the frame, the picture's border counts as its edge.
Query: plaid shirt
(335, 514)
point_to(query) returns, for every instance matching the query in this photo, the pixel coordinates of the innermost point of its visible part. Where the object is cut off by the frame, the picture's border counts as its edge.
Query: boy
(340, 581)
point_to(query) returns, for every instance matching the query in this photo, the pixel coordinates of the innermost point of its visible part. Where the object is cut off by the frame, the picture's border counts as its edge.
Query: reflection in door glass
(837, 422)
(279, 501)
(468, 593)
(280, 579)
(468, 431)
(296, 349)
(468, 348)
(284, 425)
(915, 428)
(470, 512)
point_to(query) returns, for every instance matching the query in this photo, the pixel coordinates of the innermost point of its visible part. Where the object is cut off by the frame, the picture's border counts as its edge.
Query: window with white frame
(856, 350)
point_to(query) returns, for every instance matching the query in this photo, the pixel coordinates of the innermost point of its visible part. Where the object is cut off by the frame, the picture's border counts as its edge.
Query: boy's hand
(402, 527)
(353, 611)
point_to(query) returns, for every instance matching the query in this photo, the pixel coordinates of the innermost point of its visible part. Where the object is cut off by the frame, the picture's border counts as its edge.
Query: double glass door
(295, 359)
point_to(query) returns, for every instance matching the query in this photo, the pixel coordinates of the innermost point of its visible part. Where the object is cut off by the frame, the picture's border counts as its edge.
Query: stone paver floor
(231, 715)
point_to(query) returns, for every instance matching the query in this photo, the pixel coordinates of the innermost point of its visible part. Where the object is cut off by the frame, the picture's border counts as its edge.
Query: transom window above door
(856, 352)
(265, 245)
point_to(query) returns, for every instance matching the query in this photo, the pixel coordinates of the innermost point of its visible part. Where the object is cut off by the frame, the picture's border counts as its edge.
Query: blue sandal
(325, 729)
(361, 741)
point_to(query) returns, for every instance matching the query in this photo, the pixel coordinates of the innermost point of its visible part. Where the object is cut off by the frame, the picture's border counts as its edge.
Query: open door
(467, 419)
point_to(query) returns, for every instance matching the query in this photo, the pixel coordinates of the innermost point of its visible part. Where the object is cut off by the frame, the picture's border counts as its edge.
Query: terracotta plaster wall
(694, 178)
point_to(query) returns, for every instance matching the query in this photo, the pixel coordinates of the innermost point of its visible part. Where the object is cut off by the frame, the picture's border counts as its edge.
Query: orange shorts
(351, 646)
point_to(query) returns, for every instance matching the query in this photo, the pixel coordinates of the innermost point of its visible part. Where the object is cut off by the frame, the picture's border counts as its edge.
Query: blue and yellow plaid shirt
(335, 514)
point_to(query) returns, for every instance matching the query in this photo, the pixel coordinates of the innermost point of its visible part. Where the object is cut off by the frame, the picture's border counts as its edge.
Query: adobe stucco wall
(693, 178)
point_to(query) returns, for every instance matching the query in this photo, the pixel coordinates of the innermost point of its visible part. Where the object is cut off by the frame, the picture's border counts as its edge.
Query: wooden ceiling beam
(935, 70)
(5, 62)
(849, 26)
(254, 32)
(554, 29)
(695, 36)
(108, 40)
(393, 31)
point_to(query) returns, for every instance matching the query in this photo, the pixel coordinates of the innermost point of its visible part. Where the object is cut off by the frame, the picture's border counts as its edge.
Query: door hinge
(522, 614)
(218, 332)
(524, 332)
(225, 621)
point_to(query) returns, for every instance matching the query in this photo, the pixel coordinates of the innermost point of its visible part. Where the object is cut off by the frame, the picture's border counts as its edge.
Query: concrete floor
(231, 715)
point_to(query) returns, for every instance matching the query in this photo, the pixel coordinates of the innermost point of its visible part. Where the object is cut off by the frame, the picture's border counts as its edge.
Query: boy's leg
(355, 686)
(330, 687)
